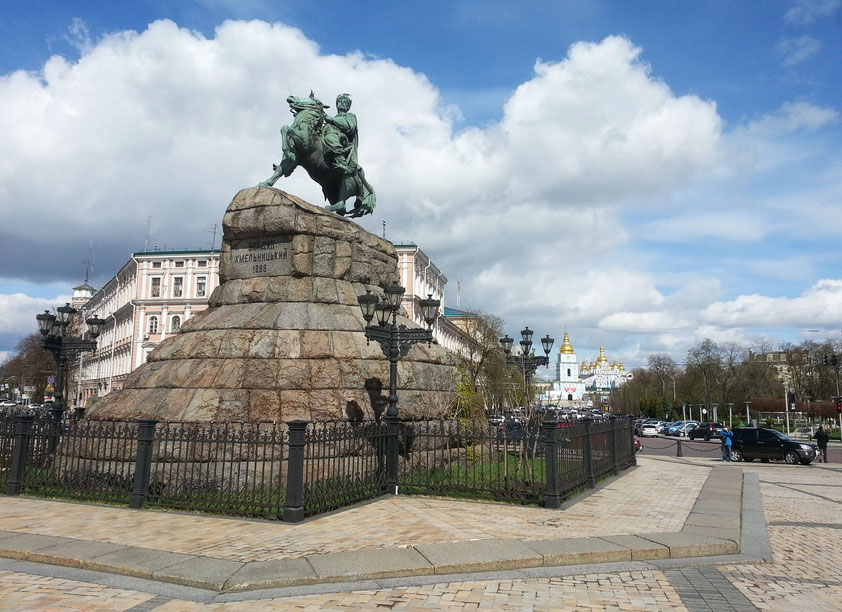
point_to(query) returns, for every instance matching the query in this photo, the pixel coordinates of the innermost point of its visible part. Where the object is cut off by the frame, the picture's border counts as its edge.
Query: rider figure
(340, 136)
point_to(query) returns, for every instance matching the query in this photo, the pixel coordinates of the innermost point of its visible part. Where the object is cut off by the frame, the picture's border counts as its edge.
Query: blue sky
(656, 172)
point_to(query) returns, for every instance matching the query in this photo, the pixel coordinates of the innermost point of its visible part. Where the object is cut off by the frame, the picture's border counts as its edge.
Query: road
(667, 446)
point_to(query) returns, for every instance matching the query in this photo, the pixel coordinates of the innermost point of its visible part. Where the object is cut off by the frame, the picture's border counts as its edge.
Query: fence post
(23, 426)
(143, 462)
(552, 496)
(392, 457)
(615, 460)
(587, 449)
(294, 499)
(56, 413)
(678, 451)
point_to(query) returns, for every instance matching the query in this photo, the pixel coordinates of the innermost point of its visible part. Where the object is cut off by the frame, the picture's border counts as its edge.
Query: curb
(724, 521)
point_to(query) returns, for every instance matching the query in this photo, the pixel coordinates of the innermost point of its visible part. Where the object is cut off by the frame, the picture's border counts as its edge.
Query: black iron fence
(292, 470)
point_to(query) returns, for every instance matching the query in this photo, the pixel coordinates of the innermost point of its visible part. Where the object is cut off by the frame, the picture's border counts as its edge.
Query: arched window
(175, 324)
(568, 372)
(153, 325)
(570, 396)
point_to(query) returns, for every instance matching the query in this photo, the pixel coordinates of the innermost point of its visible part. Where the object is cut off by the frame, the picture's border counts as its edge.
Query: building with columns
(421, 278)
(148, 299)
(154, 293)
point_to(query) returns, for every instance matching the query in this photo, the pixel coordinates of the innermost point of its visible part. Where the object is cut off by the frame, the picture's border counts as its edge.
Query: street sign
(704, 410)
(51, 379)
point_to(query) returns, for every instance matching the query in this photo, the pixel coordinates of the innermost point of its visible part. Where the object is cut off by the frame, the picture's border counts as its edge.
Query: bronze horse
(316, 145)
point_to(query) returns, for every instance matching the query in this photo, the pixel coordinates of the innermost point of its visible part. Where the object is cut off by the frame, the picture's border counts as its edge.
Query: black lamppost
(526, 362)
(53, 330)
(395, 341)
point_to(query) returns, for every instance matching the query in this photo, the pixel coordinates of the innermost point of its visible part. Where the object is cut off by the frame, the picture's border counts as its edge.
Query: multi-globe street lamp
(526, 362)
(395, 341)
(55, 338)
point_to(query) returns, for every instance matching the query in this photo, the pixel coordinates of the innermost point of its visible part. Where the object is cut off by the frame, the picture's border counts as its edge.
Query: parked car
(495, 419)
(649, 429)
(802, 433)
(750, 443)
(7, 403)
(706, 431)
(663, 425)
(637, 447)
(681, 428)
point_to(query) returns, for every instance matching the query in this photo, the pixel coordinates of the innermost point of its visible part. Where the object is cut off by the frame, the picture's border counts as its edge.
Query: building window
(175, 324)
(568, 372)
(202, 263)
(201, 286)
(153, 325)
(570, 396)
(156, 287)
(178, 286)
(179, 264)
(156, 264)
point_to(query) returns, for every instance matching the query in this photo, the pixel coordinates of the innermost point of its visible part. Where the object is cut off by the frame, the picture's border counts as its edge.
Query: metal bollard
(143, 462)
(552, 496)
(294, 500)
(678, 451)
(23, 424)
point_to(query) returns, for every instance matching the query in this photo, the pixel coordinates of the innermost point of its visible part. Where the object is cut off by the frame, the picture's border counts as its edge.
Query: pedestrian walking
(821, 441)
(726, 436)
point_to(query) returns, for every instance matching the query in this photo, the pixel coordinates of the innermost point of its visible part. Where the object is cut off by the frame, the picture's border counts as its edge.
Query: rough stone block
(199, 572)
(479, 555)
(640, 549)
(686, 544)
(135, 561)
(369, 564)
(571, 551)
(271, 574)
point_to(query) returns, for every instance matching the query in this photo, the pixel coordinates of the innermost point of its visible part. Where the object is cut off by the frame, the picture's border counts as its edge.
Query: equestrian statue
(326, 147)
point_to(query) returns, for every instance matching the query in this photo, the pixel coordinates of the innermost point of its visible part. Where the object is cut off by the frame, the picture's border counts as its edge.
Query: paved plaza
(636, 543)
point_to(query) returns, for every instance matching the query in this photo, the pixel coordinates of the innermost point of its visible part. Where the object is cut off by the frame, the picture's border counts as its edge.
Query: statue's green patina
(326, 147)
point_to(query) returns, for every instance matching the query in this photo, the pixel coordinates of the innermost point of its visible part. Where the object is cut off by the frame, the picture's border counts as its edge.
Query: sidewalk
(649, 513)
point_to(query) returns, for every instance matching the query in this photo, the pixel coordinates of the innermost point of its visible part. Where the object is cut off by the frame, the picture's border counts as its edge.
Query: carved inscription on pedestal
(267, 256)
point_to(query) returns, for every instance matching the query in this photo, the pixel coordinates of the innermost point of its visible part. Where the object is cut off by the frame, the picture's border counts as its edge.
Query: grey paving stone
(730, 521)
(369, 564)
(21, 545)
(641, 550)
(8, 534)
(135, 561)
(74, 554)
(270, 574)
(571, 551)
(717, 507)
(479, 555)
(685, 544)
(200, 572)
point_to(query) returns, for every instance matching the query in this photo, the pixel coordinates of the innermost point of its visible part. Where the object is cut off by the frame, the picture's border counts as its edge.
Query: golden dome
(614, 365)
(602, 359)
(621, 366)
(584, 365)
(566, 347)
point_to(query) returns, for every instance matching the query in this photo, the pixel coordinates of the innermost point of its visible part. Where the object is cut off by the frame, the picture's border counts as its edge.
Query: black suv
(705, 430)
(750, 443)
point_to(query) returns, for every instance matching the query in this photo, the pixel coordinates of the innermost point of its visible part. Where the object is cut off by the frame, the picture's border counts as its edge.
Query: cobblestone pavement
(648, 496)
(801, 504)
(803, 508)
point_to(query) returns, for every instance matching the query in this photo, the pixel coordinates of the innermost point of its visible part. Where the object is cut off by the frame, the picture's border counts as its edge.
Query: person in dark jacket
(726, 435)
(821, 441)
